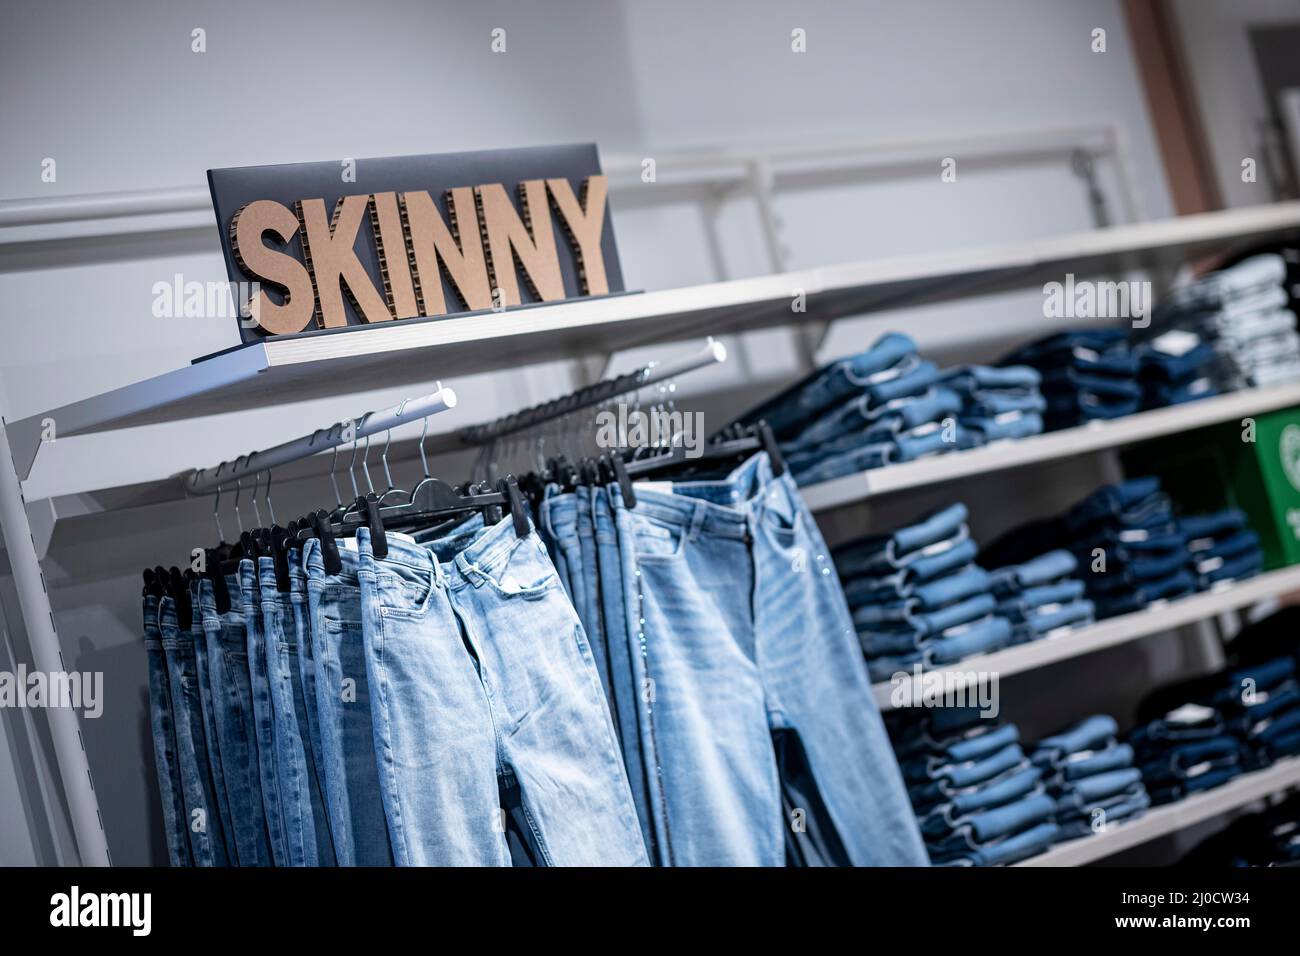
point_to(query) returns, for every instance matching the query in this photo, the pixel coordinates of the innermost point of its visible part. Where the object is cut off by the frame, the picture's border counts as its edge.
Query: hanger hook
(239, 490)
(424, 461)
(216, 507)
(257, 509)
(365, 467)
(388, 475)
(334, 459)
(352, 463)
(269, 507)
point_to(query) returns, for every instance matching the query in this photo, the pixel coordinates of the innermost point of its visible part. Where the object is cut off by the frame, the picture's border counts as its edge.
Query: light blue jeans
(263, 710)
(306, 824)
(232, 695)
(725, 581)
(353, 796)
(480, 670)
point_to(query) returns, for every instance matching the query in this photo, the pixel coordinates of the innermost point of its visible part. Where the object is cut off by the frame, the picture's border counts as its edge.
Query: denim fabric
(1217, 289)
(566, 528)
(461, 700)
(302, 640)
(1022, 605)
(970, 773)
(973, 379)
(981, 430)
(1127, 501)
(862, 421)
(723, 581)
(630, 720)
(209, 705)
(1042, 570)
(1085, 763)
(880, 554)
(592, 615)
(1089, 734)
(1021, 846)
(232, 696)
(981, 637)
(1142, 596)
(910, 615)
(166, 756)
(1014, 785)
(903, 583)
(1102, 814)
(203, 821)
(934, 764)
(1191, 759)
(358, 828)
(1212, 525)
(989, 826)
(1042, 621)
(263, 710)
(828, 387)
(302, 805)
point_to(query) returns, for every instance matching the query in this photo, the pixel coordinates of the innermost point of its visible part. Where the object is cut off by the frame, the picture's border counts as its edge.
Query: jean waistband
(314, 563)
(721, 507)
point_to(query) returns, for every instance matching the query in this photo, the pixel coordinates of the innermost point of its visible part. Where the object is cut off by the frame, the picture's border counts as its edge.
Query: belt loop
(697, 520)
(439, 576)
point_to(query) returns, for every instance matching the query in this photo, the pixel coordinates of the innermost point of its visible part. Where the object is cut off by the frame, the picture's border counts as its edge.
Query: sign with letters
(335, 244)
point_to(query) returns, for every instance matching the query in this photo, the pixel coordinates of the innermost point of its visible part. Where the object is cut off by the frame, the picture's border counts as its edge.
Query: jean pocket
(526, 570)
(407, 594)
(656, 541)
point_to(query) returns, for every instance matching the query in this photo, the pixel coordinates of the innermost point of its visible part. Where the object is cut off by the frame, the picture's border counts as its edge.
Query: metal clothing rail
(340, 433)
(712, 354)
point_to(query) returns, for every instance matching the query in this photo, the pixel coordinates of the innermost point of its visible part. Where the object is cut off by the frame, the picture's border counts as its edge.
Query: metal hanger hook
(388, 440)
(257, 509)
(216, 508)
(365, 467)
(424, 461)
(269, 507)
(352, 463)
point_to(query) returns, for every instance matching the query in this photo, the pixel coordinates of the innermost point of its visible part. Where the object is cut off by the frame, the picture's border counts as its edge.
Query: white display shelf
(1163, 820)
(399, 353)
(1066, 443)
(1095, 637)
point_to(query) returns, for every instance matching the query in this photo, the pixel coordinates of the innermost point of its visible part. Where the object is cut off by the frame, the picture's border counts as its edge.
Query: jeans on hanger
(355, 803)
(209, 707)
(162, 723)
(482, 673)
(302, 804)
(232, 695)
(723, 581)
(566, 528)
(626, 695)
(302, 640)
(263, 710)
(203, 820)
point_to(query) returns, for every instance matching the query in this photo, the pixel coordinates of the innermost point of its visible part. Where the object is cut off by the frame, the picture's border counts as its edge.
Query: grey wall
(114, 94)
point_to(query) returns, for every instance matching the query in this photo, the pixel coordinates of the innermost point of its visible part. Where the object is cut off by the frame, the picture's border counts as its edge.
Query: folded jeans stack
(917, 597)
(1221, 546)
(1175, 367)
(1185, 750)
(978, 800)
(1041, 597)
(1243, 313)
(880, 407)
(1260, 705)
(1126, 540)
(1090, 776)
(996, 403)
(1086, 375)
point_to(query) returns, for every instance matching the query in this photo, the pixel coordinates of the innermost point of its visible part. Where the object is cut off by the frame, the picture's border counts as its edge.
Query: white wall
(114, 94)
